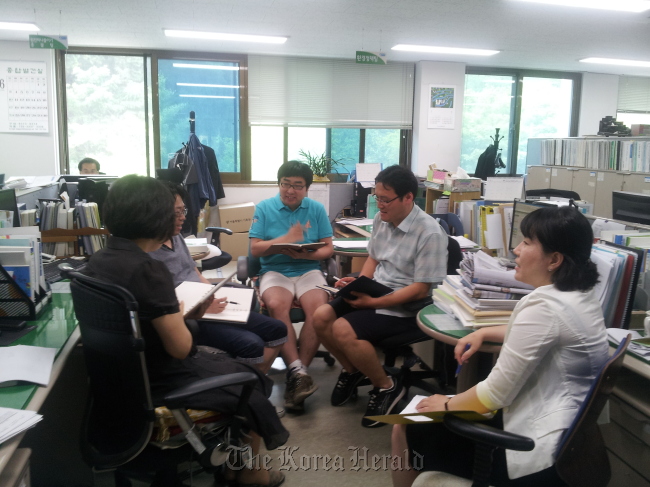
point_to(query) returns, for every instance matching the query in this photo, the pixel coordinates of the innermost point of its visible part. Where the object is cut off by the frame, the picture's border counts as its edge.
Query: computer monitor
(631, 207)
(519, 211)
(8, 202)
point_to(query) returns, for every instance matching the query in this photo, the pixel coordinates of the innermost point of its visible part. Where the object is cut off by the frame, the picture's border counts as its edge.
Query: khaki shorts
(297, 286)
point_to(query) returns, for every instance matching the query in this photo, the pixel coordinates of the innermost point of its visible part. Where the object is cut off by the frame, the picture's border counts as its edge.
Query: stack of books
(484, 294)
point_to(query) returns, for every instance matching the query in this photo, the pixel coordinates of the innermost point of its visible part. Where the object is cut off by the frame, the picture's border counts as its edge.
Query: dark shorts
(434, 448)
(370, 326)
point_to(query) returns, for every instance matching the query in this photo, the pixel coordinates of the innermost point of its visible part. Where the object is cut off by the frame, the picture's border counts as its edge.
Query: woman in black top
(139, 213)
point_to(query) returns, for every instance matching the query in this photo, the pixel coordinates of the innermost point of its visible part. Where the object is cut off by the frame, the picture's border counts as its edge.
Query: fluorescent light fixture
(200, 85)
(18, 26)
(616, 62)
(619, 5)
(205, 66)
(207, 96)
(444, 50)
(192, 34)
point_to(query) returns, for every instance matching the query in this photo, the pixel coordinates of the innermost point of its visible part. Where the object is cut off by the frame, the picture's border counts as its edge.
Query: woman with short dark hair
(553, 347)
(139, 213)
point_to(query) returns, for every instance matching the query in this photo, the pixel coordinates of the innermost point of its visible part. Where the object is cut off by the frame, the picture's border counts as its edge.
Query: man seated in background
(257, 341)
(88, 165)
(291, 217)
(407, 252)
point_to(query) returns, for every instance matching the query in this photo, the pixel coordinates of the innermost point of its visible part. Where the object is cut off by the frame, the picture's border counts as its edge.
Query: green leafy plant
(320, 164)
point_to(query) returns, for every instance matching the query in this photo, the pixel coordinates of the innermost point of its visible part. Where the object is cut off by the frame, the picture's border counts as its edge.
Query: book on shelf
(361, 284)
(277, 248)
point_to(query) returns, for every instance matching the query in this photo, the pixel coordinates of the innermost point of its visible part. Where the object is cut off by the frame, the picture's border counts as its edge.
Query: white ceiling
(528, 35)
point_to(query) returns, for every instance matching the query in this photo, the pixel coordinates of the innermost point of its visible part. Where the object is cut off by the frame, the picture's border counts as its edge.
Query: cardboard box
(458, 185)
(437, 175)
(237, 217)
(235, 244)
(640, 129)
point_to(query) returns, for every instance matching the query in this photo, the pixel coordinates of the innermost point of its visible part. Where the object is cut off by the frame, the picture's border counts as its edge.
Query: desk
(56, 328)
(344, 258)
(470, 371)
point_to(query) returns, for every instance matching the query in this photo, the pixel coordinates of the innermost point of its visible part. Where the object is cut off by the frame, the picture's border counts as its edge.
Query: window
(348, 146)
(633, 100)
(107, 98)
(522, 104)
(211, 90)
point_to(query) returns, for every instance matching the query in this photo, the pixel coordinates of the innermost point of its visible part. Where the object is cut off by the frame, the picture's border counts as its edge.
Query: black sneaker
(382, 402)
(346, 387)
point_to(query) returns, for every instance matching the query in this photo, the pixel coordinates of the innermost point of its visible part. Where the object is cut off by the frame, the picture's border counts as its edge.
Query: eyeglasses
(180, 213)
(382, 201)
(297, 187)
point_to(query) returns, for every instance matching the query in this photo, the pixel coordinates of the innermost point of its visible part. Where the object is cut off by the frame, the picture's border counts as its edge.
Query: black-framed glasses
(297, 187)
(182, 212)
(383, 201)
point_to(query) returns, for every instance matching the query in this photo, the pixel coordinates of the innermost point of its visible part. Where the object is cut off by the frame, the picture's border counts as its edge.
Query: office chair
(219, 260)
(552, 193)
(248, 268)
(581, 458)
(451, 223)
(400, 345)
(119, 419)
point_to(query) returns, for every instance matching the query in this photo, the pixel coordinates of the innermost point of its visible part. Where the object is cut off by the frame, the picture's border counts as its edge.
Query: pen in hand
(467, 347)
(231, 302)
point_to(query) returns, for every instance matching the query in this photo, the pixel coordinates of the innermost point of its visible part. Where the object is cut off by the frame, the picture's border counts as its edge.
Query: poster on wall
(23, 97)
(441, 107)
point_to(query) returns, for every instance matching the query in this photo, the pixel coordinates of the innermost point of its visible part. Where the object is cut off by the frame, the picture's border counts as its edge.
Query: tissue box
(458, 185)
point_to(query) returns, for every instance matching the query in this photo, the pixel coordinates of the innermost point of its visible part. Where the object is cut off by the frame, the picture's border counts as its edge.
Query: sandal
(275, 479)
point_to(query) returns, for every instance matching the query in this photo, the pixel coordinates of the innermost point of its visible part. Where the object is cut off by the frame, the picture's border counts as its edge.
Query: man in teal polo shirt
(291, 217)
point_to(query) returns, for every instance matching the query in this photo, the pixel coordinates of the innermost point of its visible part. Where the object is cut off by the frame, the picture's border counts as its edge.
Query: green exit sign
(365, 57)
(48, 42)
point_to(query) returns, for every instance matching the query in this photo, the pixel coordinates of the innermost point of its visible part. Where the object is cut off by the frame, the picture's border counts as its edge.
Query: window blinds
(323, 92)
(634, 94)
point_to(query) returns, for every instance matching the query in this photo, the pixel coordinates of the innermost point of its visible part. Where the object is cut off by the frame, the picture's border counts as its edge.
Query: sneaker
(382, 402)
(346, 387)
(299, 387)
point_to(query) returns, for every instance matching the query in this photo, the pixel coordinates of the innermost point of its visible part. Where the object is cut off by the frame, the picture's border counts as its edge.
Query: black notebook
(361, 284)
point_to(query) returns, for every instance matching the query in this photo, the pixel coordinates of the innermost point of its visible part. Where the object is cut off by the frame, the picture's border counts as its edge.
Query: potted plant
(320, 165)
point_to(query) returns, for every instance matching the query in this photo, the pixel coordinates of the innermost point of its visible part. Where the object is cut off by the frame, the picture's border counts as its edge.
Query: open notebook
(192, 294)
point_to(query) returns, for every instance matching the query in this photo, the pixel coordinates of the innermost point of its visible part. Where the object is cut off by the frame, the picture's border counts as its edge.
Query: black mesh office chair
(581, 458)
(400, 345)
(219, 260)
(249, 268)
(552, 193)
(119, 418)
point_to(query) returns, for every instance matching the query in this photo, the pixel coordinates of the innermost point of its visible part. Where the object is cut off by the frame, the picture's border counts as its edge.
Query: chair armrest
(242, 269)
(177, 397)
(483, 433)
(330, 269)
(227, 231)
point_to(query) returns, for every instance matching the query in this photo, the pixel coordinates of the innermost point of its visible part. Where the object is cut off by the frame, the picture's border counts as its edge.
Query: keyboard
(52, 271)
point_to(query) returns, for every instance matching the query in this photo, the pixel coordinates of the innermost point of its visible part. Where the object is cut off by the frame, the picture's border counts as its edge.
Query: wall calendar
(23, 97)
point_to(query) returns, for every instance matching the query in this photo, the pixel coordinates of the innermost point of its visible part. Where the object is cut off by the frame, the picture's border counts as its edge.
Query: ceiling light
(616, 62)
(207, 96)
(444, 50)
(18, 26)
(620, 5)
(191, 34)
(205, 66)
(200, 85)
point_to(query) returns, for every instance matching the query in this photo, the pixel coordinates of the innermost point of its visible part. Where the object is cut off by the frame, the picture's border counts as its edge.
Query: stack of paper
(484, 294)
(15, 421)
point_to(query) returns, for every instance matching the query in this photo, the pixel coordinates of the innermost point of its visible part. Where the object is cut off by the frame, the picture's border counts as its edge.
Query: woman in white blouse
(553, 347)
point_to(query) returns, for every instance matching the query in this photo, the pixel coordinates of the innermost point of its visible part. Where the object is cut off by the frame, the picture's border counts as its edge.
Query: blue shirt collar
(280, 206)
